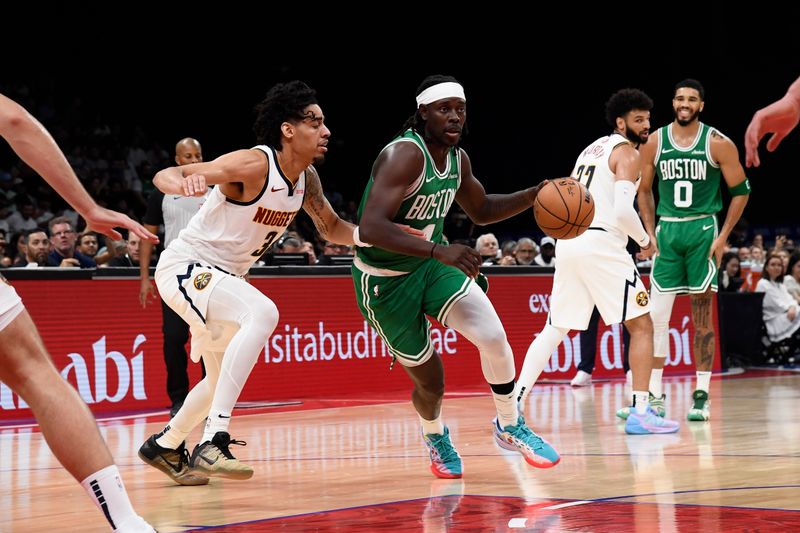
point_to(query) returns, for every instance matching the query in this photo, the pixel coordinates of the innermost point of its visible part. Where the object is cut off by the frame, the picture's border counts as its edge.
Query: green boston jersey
(688, 178)
(425, 204)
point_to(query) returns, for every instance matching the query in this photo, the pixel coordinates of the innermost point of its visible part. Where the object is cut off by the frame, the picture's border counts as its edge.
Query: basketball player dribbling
(414, 181)
(609, 168)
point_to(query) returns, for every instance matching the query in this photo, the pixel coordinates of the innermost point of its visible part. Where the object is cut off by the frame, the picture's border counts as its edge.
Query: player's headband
(441, 91)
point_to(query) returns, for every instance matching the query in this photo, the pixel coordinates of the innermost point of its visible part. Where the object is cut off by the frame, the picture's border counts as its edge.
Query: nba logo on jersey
(375, 290)
(201, 280)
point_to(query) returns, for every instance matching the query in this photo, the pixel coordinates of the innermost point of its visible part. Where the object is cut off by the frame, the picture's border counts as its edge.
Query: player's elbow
(367, 231)
(161, 181)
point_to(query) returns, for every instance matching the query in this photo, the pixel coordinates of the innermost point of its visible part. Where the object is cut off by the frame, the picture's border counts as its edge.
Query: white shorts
(10, 303)
(596, 271)
(186, 286)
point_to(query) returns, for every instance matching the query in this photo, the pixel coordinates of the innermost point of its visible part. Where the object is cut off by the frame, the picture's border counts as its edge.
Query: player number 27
(268, 240)
(585, 171)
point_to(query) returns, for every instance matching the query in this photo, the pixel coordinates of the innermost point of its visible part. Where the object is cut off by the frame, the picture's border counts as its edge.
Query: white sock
(703, 380)
(217, 421)
(170, 438)
(506, 405)
(655, 382)
(432, 426)
(641, 401)
(106, 490)
(536, 358)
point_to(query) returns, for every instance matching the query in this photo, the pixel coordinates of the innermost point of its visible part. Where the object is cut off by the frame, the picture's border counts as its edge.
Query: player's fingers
(775, 140)
(108, 232)
(751, 139)
(140, 230)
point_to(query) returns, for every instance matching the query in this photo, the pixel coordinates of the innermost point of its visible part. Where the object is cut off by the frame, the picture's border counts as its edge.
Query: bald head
(188, 151)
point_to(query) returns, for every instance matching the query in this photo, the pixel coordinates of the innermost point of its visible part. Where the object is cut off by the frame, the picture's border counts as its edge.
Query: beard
(635, 137)
(319, 160)
(685, 122)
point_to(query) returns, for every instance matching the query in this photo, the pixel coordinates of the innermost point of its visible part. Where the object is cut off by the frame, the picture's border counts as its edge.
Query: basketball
(564, 208)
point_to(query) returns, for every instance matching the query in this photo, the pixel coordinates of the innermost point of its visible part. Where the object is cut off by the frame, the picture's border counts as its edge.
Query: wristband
(742, 189)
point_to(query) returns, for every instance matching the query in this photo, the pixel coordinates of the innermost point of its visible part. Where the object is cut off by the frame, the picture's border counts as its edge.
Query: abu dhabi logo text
(567, 355)
(129, 376)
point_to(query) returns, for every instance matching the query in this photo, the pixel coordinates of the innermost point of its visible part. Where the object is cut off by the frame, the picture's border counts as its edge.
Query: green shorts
(395, 306)
(682, 264)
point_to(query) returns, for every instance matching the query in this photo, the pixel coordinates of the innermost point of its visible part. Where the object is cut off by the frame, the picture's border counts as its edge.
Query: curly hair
(283, 103)
(624, 101)
(416, 121)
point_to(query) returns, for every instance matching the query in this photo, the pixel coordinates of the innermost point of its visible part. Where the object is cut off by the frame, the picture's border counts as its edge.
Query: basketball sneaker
(213, 458)
(658, 405)
(445, 461)
(536, 451)
(701, 409)
(174, 463)
(648, 423)
(581, 379)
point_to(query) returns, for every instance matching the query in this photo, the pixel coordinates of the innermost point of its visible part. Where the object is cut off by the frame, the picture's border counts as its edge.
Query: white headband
(440, 91)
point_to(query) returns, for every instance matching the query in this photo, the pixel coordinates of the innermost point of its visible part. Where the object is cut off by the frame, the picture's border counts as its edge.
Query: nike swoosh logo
(177, 197)
(176, 468)
(223, 416)
(708, 227)
(667, 150)
(276, 190)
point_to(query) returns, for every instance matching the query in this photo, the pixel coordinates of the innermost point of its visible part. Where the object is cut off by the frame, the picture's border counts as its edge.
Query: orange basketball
(564, 208)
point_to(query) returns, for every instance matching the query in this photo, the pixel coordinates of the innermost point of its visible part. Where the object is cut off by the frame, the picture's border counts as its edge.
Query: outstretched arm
(485, 208)
(34, 144)
(242, 167)
(778, 118)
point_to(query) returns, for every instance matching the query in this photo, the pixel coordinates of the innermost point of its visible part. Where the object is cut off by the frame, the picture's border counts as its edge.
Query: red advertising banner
(110, 349)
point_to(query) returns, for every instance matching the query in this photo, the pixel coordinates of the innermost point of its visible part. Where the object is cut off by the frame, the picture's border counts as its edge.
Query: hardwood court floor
(364, 468)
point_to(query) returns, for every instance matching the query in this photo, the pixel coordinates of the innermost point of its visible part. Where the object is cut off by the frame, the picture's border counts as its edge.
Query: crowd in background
(116, 164)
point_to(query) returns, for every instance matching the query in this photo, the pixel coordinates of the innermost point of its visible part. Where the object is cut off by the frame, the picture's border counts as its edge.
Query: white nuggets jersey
(595, 269)
(593, 171)
(232, 235)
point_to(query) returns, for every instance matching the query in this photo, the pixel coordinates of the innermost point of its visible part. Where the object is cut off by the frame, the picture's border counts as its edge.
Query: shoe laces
(224, 443)
(526, 435)
(442, 447)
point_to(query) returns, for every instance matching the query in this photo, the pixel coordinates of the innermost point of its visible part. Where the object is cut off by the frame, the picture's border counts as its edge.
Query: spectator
(730, 273)
(547, 253)
(37, 246)
(781, 316)
(131, 257)
(792, 278)
(489, 248)
(17, 251)
(744, 255)
(525, 252)
(63, 239)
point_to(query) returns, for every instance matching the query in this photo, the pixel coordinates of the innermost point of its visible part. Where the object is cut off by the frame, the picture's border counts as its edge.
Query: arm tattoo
(314, 202)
